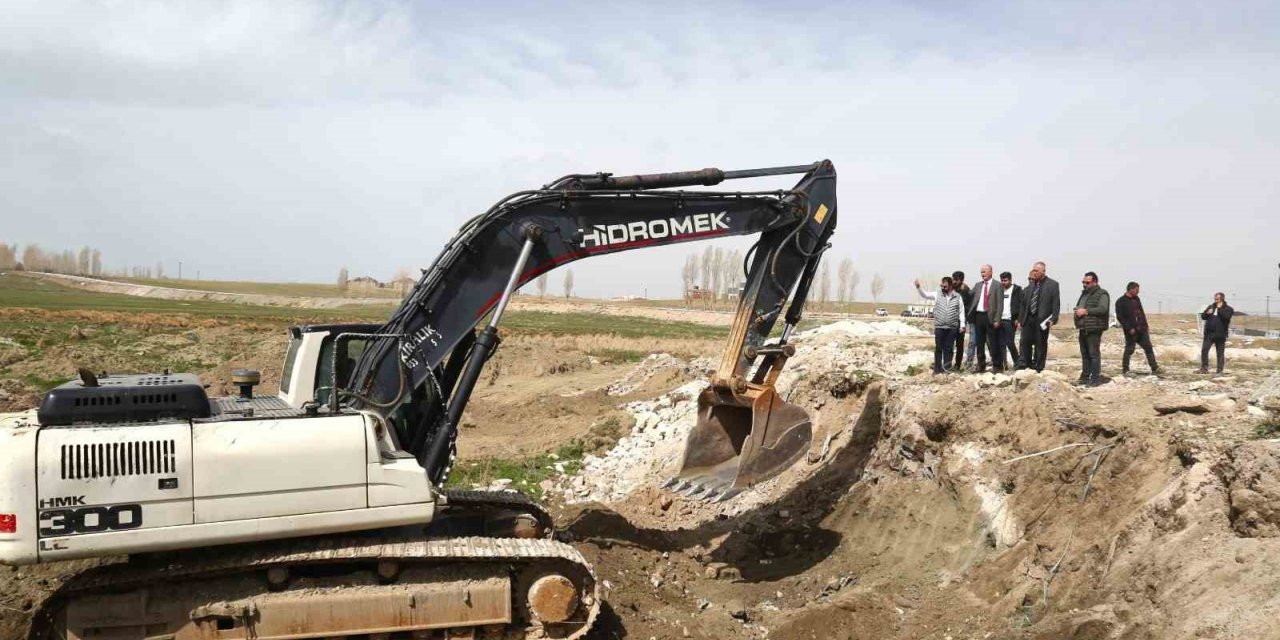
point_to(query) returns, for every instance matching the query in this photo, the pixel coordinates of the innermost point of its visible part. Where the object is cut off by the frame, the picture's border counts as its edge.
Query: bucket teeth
(726, 494)
(709, 488)
(671, 482)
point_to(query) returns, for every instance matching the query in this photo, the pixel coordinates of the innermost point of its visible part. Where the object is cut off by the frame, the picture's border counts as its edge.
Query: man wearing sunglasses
(1093, 310)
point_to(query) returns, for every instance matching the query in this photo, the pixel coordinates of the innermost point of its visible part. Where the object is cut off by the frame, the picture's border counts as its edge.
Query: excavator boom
(420, 368)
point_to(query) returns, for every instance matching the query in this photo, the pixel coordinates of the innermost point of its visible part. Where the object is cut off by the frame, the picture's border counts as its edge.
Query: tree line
(86, 262)
(717, 274)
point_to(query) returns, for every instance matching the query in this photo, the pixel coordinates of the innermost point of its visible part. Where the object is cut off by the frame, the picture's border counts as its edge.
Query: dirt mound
(1252, 474)
(954, 507)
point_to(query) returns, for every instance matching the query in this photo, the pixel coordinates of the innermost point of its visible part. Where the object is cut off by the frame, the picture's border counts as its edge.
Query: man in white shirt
(948, 322)
(1012, 308)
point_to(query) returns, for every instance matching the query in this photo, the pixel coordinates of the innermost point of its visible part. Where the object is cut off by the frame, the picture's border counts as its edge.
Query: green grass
(292, 289)
(43, 384)
(517, 322)
(525, 472)
(617, 356)
(22, 291)
(1269, 428)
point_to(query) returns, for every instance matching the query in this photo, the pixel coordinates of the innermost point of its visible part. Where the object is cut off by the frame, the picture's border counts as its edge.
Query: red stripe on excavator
(583, 253)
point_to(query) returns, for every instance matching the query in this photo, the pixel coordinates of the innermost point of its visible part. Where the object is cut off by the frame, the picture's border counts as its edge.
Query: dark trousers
(1035, 344)
(1138, 339)
(944, 340)
(1219, 343)
(1008, 340)
(959, 343)
(1091, 355)
(987, 336)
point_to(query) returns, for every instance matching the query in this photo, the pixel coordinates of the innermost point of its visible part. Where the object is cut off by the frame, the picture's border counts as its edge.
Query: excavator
(323, 511)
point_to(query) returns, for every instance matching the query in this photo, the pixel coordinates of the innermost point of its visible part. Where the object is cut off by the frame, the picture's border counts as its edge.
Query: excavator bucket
(741, 439)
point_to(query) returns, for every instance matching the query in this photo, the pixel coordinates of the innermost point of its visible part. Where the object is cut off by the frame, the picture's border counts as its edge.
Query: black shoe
(1202, 370)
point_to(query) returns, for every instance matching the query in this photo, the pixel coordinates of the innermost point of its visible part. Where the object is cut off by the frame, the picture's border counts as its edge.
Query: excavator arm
(419, 369)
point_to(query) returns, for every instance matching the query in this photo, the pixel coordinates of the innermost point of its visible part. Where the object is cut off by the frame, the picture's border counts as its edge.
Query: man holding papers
(1040, 309)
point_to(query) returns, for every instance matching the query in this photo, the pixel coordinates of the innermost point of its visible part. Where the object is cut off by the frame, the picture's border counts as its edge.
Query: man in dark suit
(984, 312)
(1012, 309)
(1039, 312)
(1137, 333)
(1217, 325)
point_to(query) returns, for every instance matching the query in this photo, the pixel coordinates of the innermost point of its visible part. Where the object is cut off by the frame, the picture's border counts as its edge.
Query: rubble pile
(652, 449)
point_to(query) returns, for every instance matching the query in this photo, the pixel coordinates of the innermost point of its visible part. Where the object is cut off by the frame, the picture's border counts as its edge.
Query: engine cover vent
(118, 459)
(125, 398)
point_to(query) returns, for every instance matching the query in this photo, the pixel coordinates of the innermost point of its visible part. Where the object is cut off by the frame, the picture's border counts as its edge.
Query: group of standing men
(992, 313)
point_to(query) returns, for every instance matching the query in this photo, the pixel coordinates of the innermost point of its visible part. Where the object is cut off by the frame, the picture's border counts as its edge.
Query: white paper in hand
(1044, 326)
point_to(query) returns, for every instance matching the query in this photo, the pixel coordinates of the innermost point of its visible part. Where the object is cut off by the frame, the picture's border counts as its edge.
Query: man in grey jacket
(985, 311)
(1093, 311)
(1042, 305)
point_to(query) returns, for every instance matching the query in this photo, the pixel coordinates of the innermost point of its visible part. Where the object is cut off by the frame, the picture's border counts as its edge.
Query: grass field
(292, 289)
(18, 291)
(21, 292)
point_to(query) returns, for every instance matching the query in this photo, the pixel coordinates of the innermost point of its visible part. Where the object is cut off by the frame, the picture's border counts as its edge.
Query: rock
(502, 483)
(655, 579)
(665, 502)
(703, 603)
(546, 486)
(993, 380)
(736, 609)
(1199, 384)
(729, 573)
(1258, 412)
(1185, 405)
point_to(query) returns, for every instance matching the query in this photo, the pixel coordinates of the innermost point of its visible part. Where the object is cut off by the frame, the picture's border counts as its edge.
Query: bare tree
(824, 285)
(854, 279)
(33, 258)
(95, 263)
(717, 271)
(688, 274)
(542, 285)
(877, 287)
(8, 256)
(342, 279)
(732, 271)
(568, 283)
(708, 267)
(401, 282)
(159, 269)
(842, 279)
(82, 261)
(694, 270)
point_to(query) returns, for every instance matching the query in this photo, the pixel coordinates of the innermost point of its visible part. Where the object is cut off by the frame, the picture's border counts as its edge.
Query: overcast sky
(282, 140)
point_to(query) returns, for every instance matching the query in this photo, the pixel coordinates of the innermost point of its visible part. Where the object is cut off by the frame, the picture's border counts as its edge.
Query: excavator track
(540, 524)
(375, 587)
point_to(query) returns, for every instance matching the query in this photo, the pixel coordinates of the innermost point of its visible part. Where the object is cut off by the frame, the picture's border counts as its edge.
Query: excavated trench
(1025, 509)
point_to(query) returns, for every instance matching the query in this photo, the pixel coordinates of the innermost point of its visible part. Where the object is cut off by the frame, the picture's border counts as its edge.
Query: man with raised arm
(948, 322)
